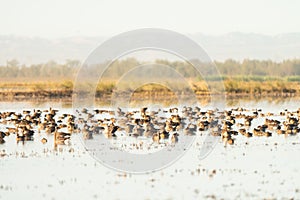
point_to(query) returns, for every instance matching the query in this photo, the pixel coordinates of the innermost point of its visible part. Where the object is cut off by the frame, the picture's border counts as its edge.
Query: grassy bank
(252, 86)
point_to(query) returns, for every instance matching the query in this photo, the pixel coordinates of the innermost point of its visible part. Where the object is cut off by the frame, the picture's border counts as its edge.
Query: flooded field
(257, 167)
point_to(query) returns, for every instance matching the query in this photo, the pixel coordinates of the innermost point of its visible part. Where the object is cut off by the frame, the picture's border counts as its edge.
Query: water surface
(254, 168)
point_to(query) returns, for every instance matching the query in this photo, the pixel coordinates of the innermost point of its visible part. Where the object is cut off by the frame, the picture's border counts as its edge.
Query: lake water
(252, 168)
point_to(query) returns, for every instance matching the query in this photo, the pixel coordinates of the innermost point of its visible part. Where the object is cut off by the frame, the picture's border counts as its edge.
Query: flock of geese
(160, 126)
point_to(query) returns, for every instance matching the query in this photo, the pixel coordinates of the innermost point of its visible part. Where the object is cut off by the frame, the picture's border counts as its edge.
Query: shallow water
(254, 168)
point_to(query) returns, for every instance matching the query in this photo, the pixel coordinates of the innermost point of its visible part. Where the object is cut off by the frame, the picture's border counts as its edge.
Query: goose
(257, 132)
(191, 129)
(2, 135)
(242, 131)
(227, 138)
(44, 140)
(248, 121)
(174, 138)
(156, 138)
(163, 134)
(109, 130)
(87, 132)
(137, 131)
(61, 138)
(143, 112)
(203, 125)
(128, 128)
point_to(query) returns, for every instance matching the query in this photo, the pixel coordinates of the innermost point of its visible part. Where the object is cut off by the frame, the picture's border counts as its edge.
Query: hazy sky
(57, 18)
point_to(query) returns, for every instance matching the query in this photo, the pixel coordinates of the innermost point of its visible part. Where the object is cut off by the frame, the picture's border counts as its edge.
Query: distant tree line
(51, 69)
(228, 68)
(260, 68)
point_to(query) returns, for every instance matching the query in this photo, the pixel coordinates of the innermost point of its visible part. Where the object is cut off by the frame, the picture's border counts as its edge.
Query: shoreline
(67, 95)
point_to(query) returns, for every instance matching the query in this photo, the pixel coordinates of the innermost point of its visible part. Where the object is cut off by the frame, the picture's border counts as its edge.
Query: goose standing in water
(2, 135)
(61, 138)
(227, 137)
(109, 130)
(174, 138)
(156, 138)
(87, 132)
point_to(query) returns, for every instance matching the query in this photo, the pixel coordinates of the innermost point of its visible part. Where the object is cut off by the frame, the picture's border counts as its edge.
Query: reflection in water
(138, 101)
(235, 101)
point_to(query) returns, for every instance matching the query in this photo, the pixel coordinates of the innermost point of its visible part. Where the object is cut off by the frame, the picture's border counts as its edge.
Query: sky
(66, 18)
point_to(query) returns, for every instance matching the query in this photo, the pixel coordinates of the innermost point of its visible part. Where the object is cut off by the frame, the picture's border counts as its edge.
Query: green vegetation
(249, 77)
(247, 70)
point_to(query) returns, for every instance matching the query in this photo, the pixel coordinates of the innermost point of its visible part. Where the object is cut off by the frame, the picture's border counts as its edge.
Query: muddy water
(252, 168)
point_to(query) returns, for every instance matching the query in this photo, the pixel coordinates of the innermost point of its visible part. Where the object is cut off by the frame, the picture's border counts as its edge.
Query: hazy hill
(253, 46)
(232, 45)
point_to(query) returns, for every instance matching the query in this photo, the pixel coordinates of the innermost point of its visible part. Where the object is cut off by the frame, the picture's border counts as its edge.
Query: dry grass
(232, 86)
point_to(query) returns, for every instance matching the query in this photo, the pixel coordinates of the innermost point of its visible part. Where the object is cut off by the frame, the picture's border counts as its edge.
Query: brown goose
(174, 138)
(156, 138)
(61, 138)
